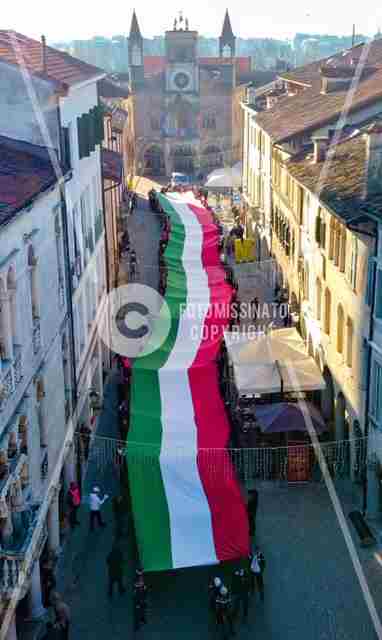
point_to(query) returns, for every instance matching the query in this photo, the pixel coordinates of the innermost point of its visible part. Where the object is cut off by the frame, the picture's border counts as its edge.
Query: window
(300, 205)
(354, 264)
(59, 257)
(306, 281)
(378, 298)
(331, 238)
(340, 329)
(337, 242)
(371, 271)
(33, 283)
(376, 393)
(318, 299)
(343, 250)
(66, 146)
(328, 304)
(349, 342)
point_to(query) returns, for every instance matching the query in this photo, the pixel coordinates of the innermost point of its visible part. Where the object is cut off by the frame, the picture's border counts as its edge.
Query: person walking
(213, 591)
(240, 593)
(115, 570)
(140, 600)
(74, 502)
(61, 610)
(223, 608)
(257, 571)
(95, 508)
(252, 505)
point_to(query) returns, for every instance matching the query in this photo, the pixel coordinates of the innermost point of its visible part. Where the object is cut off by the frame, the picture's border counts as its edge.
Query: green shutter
(87, 142)
(92, 129)
(81, 147)
(99, 132)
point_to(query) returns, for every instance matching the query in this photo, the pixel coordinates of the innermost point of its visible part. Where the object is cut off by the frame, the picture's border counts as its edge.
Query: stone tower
(135, 54)
(227, 40)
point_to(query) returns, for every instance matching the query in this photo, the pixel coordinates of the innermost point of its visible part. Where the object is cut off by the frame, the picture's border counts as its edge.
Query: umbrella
(229, 178)
(282, 417)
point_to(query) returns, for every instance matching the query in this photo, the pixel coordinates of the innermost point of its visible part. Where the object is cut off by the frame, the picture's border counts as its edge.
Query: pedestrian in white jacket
(96, 503)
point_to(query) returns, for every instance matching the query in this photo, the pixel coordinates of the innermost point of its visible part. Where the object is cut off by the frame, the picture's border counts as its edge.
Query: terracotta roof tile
(25, 171)
(344, 188)
(60, 66)
(309, 109)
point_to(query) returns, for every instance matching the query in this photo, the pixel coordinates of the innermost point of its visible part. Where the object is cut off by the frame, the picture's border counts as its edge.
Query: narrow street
(311, 593)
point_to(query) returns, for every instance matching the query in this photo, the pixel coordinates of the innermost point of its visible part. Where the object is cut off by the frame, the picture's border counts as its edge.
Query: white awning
(268, 363)
(229, 178)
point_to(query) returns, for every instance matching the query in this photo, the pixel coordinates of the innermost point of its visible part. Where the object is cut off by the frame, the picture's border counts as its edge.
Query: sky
(81, 19)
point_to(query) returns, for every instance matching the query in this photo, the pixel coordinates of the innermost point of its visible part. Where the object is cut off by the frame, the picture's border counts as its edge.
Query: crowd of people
(230, 601)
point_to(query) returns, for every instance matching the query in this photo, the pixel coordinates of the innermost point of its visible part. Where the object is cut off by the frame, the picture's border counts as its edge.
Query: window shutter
(92, 129)
(378, 301)
(98, 124)
(81, 146)
(318, 230)
(66, 148)
(86, 126)
(323, 235)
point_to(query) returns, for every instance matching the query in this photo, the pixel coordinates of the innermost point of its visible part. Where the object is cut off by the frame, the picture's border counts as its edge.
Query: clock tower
(182, 68)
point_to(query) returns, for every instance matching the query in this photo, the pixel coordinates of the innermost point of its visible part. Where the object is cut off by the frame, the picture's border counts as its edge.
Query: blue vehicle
(180, 180)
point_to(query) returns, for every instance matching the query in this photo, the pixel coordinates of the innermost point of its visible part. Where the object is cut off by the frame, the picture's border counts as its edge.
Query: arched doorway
(212, 158)
(184, 159)
(340, 417)
(327, 396)
(153, 160)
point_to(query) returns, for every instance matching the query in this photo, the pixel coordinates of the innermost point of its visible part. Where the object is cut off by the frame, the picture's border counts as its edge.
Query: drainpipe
(368, 370)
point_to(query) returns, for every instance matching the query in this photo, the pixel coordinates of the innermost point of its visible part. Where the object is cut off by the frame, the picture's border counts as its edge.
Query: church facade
(184, 111)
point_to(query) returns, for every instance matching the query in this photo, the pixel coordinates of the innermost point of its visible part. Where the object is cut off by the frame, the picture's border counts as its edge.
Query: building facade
(52, 286)
(185, 110)
(306, 186)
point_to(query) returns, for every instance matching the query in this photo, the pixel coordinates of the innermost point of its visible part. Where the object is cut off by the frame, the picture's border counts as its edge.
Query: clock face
(181, 80)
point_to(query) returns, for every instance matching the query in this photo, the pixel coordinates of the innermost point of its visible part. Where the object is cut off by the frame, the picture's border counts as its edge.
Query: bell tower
(135, 53)
(227, 40)
(182, 69)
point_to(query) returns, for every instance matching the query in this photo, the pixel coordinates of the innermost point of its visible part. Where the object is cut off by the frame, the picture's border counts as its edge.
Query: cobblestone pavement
(312, 592)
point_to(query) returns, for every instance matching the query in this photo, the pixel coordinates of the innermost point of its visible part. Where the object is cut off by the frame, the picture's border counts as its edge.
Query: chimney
(373, 139)
(43, 53)
(321, 144)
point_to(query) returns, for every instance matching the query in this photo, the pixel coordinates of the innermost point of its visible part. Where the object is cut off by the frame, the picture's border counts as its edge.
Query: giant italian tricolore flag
(187, 505)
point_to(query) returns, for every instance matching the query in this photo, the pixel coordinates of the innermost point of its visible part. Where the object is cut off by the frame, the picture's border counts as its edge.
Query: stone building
(52, 288)
(308, 190)
(184, 110)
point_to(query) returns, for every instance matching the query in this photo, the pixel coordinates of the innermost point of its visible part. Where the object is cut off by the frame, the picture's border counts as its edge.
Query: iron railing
(36, 335)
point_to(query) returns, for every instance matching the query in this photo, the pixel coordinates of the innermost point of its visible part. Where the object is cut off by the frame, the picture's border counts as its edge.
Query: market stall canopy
(271, 363)
(282, 417)
(228, 178)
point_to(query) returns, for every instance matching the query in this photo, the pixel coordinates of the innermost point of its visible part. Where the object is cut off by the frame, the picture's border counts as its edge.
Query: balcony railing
(17, 564)
(7, 386)
(18, 366)
(36, 336)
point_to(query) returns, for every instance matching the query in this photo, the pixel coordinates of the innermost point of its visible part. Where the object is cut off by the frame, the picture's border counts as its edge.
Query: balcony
(17, 365)
(36, 335)
(16, 563)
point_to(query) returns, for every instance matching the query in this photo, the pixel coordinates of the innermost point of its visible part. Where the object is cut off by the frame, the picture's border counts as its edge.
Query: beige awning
(269, 363)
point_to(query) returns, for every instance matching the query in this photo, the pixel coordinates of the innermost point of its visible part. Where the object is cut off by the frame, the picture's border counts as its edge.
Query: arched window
(343, 250)
(332, 238)
(340, 329)
(318, 298)
(11, 289)
(328, 310)
(337, 243)
(349, 342)
(34, 293)
(306, 281)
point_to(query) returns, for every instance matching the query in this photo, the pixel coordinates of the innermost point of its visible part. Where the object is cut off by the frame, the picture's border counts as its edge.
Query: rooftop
(25, 171)
(59, 66)
(345, 177)
(309, 109)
